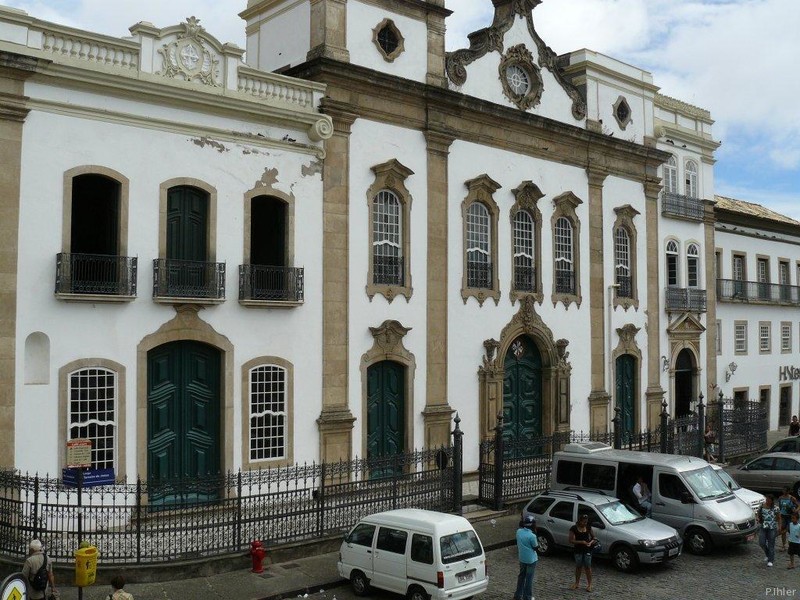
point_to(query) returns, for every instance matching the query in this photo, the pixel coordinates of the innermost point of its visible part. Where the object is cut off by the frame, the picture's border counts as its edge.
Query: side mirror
(686, 498)
(347, 538)
(730, 485)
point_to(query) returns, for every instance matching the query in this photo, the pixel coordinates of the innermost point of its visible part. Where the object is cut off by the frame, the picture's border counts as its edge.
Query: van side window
(422, 549)
(568, 472)
(392, 540)
(563, 510)
(601, 477)
(362, 535)
(671, 486)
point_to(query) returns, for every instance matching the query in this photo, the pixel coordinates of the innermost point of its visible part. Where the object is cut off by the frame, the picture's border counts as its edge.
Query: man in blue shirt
(527, 543)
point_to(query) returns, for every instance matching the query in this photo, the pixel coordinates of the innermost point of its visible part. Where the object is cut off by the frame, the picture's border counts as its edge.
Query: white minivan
(421, 554)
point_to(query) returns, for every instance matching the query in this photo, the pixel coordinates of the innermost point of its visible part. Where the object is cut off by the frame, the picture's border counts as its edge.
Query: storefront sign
(788, 373)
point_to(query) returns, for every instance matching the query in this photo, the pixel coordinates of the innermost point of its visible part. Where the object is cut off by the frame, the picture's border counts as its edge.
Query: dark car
(769, 472)
(787, 444)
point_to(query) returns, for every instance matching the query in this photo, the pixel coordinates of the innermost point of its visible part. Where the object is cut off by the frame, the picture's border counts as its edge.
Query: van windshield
(728, 480)
(706, 483)
(617, 513)
(460, 546)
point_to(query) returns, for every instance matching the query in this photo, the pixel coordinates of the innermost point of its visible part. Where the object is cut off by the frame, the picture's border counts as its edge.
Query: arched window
(92, 412)
(692, 266)
(622, 262)
(524, 260)
(268, 414)
(387, 239)
(672, 263)
(564, 254)
(671, 176)
(479, 257)
(691, 179)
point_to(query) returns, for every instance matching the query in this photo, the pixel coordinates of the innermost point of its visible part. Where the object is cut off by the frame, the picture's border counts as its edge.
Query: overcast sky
(736, 58)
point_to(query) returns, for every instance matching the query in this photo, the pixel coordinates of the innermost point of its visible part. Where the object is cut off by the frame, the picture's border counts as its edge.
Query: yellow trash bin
(85, 566)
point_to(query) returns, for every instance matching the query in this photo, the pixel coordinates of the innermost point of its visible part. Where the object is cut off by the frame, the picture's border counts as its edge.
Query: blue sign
(91, 477)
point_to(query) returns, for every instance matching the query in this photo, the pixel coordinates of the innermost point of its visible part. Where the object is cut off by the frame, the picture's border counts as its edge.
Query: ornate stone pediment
(528, 320)
(389, 338)
(685, 326)
(189, 57)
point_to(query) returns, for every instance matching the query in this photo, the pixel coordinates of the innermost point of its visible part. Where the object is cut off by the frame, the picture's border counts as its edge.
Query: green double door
(183, 421)
(385, 413)
(625, 370)
(187, 242)
(522, 398)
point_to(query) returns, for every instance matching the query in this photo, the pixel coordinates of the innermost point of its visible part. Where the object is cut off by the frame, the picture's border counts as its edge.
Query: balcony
(624, 286)
(735, 290)
(565, 282)
(387, 270)
(261, 285)
(479, 275)
(95, 277)
(682, 207)
(685, 299)
(524, 279)
(188, 281)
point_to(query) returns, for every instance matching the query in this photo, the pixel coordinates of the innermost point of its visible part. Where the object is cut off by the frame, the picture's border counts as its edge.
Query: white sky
(736, 58)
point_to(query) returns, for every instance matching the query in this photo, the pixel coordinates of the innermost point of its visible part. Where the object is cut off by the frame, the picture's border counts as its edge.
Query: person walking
(582, 540)
(36, 558)
(768, 517)
(117, 583)
(794, 426)
(527, 544)
(794, 539)
(787, 504)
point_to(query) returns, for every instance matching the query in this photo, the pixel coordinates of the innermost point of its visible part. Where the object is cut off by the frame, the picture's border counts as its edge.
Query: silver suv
(626, 537)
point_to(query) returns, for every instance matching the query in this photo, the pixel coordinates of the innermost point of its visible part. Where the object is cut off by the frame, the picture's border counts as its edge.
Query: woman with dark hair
(582, 540)
(118, 582)
(769, 518)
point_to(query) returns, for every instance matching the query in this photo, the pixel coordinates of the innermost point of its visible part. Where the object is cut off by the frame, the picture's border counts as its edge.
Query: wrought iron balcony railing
(92, 274)
(387, 270)
(479, 275)
(735, 290)
(688, 299)
(189, 279)
(565, 282)
(271, 284)
(624, 286)
(524, 278)
(678, 205)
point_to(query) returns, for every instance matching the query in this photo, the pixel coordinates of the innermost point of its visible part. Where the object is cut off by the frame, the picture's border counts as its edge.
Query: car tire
(624, 558)
(546, 545)
(697, 541)
(359, 583)
(416, 593)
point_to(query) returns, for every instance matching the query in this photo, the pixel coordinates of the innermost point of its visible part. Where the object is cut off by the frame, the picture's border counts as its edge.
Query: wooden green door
(183, 419)
(385, 412)
(187, 237)
(626, 392)
(522, 398)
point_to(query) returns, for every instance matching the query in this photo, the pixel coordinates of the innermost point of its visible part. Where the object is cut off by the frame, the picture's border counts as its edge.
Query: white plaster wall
(470, 324)
(412, 63)
(283, 36)
(53, 144)
(483, 80)
(372, 144)
(606, 98)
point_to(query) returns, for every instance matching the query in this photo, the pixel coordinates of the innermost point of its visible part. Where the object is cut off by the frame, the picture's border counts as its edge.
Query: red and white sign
(79, 454)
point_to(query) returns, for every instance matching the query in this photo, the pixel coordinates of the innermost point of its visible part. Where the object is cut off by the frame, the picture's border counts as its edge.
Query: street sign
(14, 588)
(79, 453)
(91, 477)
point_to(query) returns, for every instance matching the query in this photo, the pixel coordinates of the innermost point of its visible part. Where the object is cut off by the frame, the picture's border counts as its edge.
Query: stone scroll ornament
(188, 56)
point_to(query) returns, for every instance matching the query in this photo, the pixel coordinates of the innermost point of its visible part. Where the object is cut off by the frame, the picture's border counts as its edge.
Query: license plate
(465, 577)
(751, 537)
(673, 551)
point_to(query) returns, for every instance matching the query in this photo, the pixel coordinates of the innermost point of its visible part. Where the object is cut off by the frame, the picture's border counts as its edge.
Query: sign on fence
(91, 477)
(79, 453)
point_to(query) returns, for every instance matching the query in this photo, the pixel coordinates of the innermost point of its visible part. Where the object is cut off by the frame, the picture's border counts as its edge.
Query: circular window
(518, 80)
(387, 38)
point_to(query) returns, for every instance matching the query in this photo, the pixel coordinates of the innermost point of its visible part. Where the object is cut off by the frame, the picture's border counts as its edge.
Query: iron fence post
(36, 506)
(321, 501)
(498, 463)
(617, 420)
(664, 426)
(721, 427)
(138, 520)
(458, 441)
(701, 426)
(238, 540)
(394, 480)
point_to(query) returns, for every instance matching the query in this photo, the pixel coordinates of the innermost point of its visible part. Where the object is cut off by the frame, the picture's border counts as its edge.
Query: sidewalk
(281, 580)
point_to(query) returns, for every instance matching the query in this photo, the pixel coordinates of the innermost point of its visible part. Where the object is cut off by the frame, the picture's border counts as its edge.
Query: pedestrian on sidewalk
(768, 517)
(117, 583)
(35, 561)
(527, 544)
(582, 540)
(788, 505)
(794, 539)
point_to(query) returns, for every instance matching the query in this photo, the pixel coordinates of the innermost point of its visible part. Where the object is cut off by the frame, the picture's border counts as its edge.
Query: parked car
(787, 444)
(626, 537)
(749, 497)
(769, 472)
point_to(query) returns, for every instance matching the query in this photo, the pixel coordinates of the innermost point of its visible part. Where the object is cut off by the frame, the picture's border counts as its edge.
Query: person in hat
(33, 563)
(527, 543)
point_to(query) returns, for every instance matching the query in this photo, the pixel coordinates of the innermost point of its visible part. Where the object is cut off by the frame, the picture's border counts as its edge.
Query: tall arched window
(268, 413)
(92, 414)
(564, 257)
(524, 260)
(387, 239)
(479, 263)
(692, 266)
(622, 262)
(691, 179)
(671, 176)
(672, 263)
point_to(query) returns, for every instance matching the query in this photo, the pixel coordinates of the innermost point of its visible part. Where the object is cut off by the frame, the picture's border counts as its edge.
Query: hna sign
(788, 373)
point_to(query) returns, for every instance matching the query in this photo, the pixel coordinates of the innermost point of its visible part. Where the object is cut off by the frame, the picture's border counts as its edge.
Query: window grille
(671, 176)
(564, 265)
(92, 412)
(268, 416)
(479, 263)
(691, 179)
(387, 238)
(524, 275)
(622, 262)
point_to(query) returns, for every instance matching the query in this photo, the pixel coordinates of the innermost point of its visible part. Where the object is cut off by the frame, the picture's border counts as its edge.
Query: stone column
(336, 421)
(711, 297)
(329, 30)
(437, 411)
(14, 69)
(654, 393)
(599, 398)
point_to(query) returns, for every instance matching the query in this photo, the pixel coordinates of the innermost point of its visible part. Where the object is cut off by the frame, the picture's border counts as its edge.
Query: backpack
(40, 579)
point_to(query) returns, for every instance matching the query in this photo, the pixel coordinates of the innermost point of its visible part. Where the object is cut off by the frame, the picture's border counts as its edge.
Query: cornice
(684, 134)
(574, 70)
(415, 9)
(684, 108)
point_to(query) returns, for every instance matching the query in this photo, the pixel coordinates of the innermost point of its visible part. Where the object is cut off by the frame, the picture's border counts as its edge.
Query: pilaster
(654, 393)
(597, 316)
(436, 51)
(329, 30)
(711, 296)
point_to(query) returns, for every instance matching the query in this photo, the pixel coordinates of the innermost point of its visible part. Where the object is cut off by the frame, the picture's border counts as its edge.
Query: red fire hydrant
(257, 553)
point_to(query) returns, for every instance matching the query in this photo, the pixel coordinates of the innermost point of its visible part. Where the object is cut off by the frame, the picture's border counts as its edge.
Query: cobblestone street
(737, 573)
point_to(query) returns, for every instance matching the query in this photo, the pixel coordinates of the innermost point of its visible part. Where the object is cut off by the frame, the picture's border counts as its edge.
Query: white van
(421, 554)
(687, 493)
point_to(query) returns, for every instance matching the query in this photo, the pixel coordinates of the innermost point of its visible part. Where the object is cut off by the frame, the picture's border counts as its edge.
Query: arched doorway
(684, 382)
(522, 395)
(183, 420)
(386, 399)
(625, 371)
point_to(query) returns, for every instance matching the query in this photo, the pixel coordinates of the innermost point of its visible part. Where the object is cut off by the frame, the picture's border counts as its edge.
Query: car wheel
(360, 583)
(624, 559)
(416, 593)
(698, 541)
(546, 546)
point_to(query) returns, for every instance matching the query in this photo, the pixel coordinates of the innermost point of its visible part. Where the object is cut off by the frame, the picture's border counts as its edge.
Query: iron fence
(678, 205)
(692, 299)
(736, 290)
